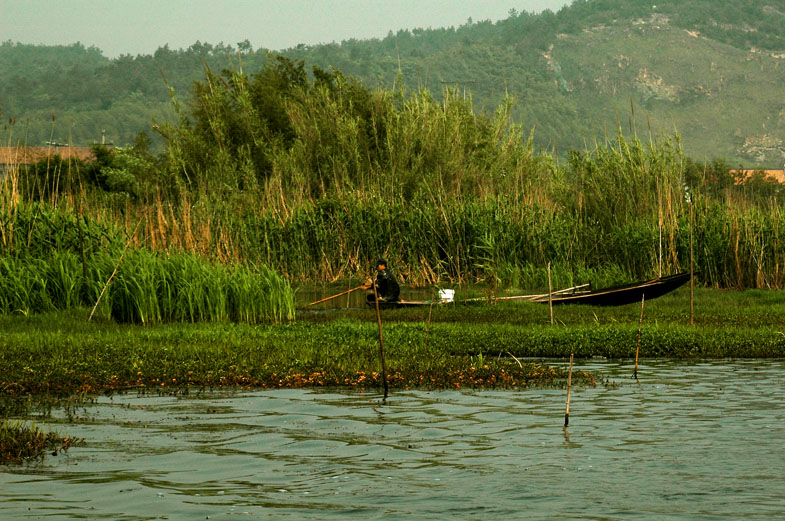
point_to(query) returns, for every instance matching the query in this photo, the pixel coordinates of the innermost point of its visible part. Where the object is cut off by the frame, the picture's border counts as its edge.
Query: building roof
(30, 155)
(746, 174)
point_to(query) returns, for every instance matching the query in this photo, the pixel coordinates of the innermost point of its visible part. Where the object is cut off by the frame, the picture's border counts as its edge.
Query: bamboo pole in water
(569, 390)
(692, 268)
(381, 340)
(659, 225)
(638, 348)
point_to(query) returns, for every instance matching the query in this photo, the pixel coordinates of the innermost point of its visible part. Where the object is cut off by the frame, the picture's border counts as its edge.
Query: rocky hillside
(713, 72)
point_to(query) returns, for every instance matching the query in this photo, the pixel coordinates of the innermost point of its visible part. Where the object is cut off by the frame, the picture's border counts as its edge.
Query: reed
(149, 288)
(315, 178)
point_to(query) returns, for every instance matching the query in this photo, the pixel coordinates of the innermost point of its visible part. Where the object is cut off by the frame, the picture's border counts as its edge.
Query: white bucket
(446, 295)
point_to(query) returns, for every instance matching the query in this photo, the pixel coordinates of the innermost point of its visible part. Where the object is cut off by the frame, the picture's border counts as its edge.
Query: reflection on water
(689, 441)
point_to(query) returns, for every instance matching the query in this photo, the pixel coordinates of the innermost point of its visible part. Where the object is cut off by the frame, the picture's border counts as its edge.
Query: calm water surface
(689, 441)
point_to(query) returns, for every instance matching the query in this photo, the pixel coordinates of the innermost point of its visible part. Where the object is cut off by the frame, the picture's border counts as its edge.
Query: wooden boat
(613, 296)
(627, 294)
(576, 290)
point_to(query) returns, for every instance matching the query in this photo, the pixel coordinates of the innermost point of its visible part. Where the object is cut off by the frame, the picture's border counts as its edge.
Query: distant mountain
(712, 71)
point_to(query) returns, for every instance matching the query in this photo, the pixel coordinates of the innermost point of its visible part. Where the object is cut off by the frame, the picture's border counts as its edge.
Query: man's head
(381, 264)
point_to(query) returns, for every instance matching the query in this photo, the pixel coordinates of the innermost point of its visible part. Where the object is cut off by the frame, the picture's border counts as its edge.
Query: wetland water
(689, 441)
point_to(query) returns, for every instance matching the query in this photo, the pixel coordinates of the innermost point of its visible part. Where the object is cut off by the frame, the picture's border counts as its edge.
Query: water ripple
(686, 441)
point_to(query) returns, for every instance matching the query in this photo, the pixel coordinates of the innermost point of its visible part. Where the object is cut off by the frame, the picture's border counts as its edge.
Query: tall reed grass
(63, 262)
(317, 178)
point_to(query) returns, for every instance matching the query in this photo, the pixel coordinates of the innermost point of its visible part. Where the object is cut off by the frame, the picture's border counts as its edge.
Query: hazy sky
(141, 26)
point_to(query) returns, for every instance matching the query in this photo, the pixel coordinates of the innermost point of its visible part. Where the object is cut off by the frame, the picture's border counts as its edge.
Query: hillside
(713, 73)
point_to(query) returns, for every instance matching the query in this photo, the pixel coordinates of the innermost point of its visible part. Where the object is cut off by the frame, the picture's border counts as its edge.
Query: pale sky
(141, 26)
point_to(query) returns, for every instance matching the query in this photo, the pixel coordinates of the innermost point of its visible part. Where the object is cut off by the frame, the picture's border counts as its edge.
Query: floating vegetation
(59, 353)
(55, 355)
(21, 441)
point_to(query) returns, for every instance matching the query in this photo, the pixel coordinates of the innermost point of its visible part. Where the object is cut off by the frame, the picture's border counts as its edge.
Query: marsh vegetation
(281, 178)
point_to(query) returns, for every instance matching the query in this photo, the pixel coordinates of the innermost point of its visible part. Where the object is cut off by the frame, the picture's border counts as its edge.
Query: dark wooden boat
(577, 290)
(627, 294)
(613, 296)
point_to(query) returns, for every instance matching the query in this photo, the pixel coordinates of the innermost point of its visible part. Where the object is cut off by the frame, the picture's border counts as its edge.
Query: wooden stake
(659, 225)
(692, 269)
(550, 292)
(638, 348)
(381, 341)
(569, 390)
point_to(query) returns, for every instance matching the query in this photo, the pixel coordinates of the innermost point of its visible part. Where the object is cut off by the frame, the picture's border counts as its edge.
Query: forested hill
(712, 71)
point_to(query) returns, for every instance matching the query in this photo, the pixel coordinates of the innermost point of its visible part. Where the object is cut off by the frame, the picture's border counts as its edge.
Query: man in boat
(386, 286)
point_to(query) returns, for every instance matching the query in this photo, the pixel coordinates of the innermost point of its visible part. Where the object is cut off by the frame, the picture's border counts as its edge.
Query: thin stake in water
(692, 268)
(638, 348)
(569, 390)
(381, 341)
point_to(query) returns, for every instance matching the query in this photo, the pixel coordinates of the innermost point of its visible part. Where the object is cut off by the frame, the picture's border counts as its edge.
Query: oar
(336, 296)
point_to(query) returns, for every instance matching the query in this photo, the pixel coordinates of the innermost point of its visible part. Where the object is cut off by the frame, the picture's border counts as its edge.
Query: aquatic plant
(181, 287)
(148, 288)
(69, 260)
(21, 441)
(59, 353)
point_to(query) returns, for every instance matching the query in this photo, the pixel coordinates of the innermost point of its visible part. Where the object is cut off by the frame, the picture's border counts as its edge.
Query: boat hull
(614, 296)
(629, 294)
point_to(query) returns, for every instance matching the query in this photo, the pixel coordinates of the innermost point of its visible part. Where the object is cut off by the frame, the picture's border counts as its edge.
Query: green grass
(65, 267)
(753, 309)
(61, 354)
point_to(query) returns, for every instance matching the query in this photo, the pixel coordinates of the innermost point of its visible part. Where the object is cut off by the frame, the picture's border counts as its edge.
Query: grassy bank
(481, 345)
(61, 354)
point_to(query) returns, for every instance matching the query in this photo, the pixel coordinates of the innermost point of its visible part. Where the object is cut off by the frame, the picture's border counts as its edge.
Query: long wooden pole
(692, 268)
(569, 390)
(535, 298)
(335, 296)
(381, 341)
(640, 327)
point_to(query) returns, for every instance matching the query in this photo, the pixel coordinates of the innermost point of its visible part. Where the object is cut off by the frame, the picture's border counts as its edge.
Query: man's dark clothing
(386, 286)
